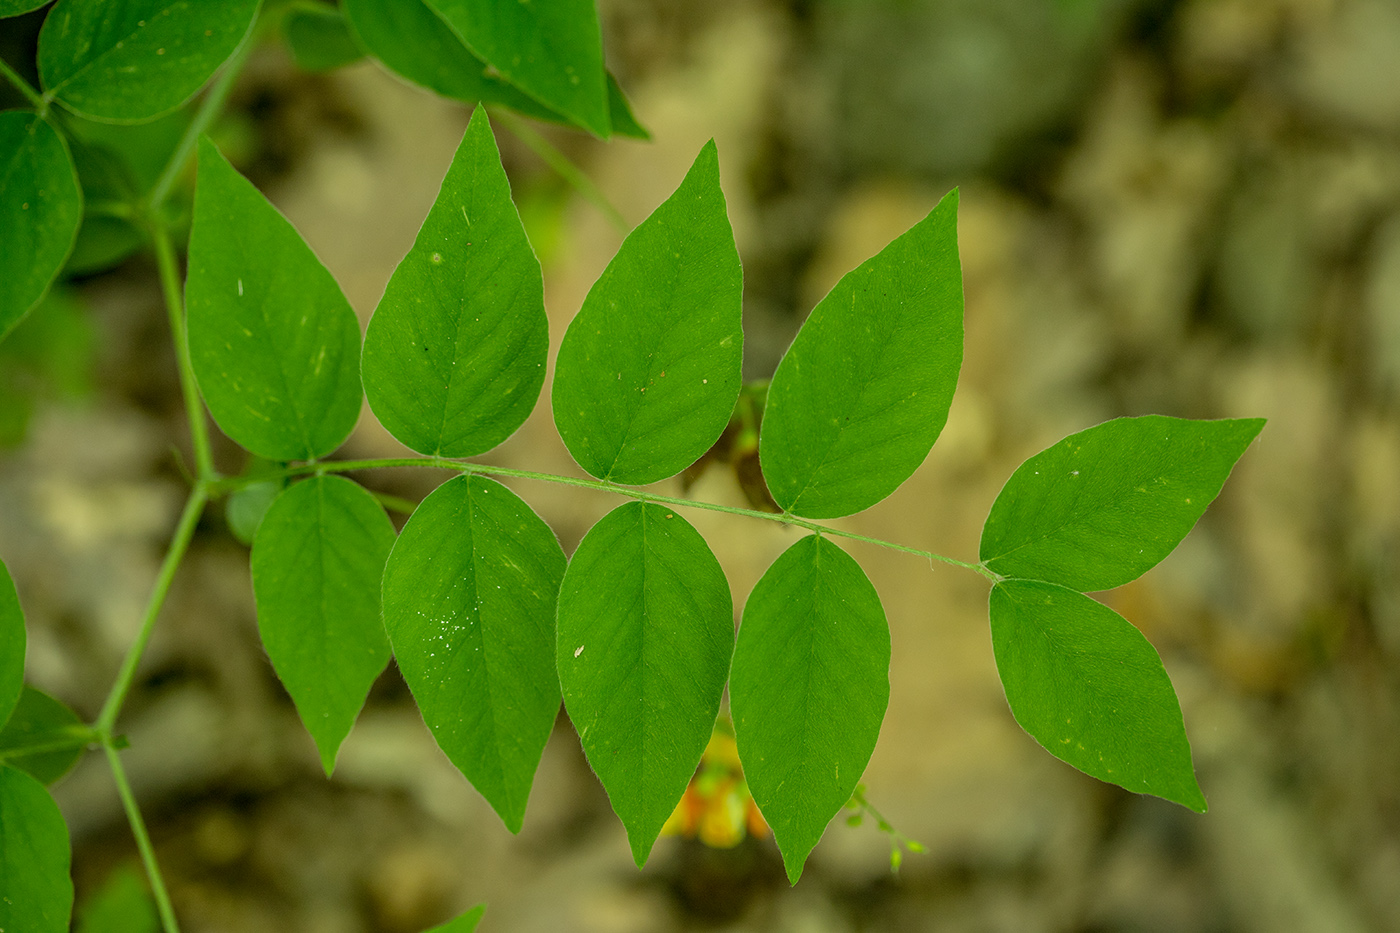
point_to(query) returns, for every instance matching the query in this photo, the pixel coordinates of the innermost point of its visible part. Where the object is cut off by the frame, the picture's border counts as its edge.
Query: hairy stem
(175, 309)
(184, 531)
(143, 841)
(347, 466)
(39, 102)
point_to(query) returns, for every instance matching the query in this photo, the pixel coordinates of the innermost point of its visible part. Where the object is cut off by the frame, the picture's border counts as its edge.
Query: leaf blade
(469, 600)
(646, 632)
(454, 356)
(36, 718)
(1104, 505)
(553, 52)
(862, 394)
(1086, 685)
(809, 690)
(319, 38)
(317, 559)
(274, 344)
(649, 369)
(134, 61)
(41, 208)
(36, 892)
(12, 645)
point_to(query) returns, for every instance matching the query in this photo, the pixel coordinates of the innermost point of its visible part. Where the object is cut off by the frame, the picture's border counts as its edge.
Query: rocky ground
(1190, 208)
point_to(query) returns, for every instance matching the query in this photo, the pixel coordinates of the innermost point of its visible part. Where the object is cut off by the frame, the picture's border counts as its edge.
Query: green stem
(175, 308)
(347, 466)
(209, 108)
(556, 160)
(184, 531)
(143, 842)
(39, 102)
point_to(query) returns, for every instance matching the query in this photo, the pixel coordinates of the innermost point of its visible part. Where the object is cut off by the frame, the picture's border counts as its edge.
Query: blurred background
(1187, 207)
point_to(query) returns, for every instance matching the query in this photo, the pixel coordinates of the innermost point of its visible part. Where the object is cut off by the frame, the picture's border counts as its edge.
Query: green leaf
(1090, 688)
(649, 369)
(274, 344)
(12, 643)
(121, 905)
(620, 112)
(103, 240)
(551, 51)
(247, 506)
(455, 354)
(413, 41)
(135, 60)
(864, 390)
(809, 689)
(40, 209)
(39, 718)
(646, 631)
(10, 8)
(317, 561)
(320, 38)
(469, 600)
(1104, 505)
(465, 923)
(36, 892)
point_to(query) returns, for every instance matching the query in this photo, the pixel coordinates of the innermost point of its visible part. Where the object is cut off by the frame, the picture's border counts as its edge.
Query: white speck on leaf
(240, 288)
(578, 651)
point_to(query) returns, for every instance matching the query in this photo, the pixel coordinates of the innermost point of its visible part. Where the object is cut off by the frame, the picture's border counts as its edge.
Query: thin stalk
(209, 108)
(38, 100)
(348, 466)
(81, 736)
(184, 531)
(175, 309)
(143, 842)
(556, 160)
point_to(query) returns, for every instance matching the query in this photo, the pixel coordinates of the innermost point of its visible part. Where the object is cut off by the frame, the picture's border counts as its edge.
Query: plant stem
(209, 108)
(556, 160)
(143, 841)
(347, 466)
(184, 531)
(40, 103)
(175, 308)
(81, 735)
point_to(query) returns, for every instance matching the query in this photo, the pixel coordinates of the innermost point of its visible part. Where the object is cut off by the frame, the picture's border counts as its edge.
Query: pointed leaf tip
(1088, 687)
(1104, 505)
(454, 356)
(809, 690)
(646, 633)
(649, 369)
(864, 391)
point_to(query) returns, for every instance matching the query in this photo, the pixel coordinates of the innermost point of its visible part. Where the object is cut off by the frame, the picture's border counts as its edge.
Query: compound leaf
(317, 561)
(41, 207)
(274, 344)
(1091, 689)
(1104, 505)
(455, 354)
(121, 905)
(36, 892)
(646, 631)
(320, 38)
(12, 644)
(464, 923)
(649, 369)
(39, 718)
(469, 601)
(551, 51)
(863, 392)
(809, 689)
(135, 60)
